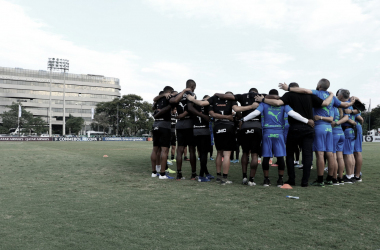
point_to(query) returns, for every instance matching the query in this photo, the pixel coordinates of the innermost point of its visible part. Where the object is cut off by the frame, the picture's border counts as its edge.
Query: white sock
(158, 168)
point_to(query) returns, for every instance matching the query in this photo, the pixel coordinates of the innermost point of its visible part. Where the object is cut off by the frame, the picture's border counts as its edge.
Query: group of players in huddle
(269, 126)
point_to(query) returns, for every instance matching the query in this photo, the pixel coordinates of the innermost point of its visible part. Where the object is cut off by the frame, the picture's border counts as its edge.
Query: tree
(74, 124)
(27, 121)
(129, 114)
(102, 120)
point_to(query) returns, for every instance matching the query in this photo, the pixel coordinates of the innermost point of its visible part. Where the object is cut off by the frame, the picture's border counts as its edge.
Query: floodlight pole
(51, 68)
(64, 102)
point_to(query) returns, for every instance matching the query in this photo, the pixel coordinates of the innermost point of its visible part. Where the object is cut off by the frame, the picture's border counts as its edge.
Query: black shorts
(161, 137)
(203, 143)
(185, 137)
(224, 136)
(250, 140)
(173, 139)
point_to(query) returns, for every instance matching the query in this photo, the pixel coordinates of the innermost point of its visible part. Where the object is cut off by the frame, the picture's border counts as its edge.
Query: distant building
(32, 88)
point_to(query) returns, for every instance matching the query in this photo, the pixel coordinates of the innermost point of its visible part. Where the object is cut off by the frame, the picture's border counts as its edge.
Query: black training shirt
(187, 121)
(201, 126)
(165, 119)
(223, 107)
(302, 104)
(246, 100)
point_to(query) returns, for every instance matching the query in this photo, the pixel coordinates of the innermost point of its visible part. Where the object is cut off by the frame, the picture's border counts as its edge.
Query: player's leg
(180, 150)
(193, 162)
(185, 154)
(291, 144)
(218, 164)
(244, 164)
(267, 153)
(226, 168)
(279, 151)
(307, 154)
(281, 169)
(153, 159)
(358, 157)
(164, 158)
(253, 168)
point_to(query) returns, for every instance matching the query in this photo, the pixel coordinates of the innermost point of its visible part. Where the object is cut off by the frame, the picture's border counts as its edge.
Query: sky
(224, 45)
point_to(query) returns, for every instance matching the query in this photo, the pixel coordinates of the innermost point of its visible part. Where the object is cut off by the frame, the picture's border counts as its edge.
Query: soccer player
(173, 137)
(221, 110)
(323, 139)
(358, 143)
(161, 132)
(273, 134)
(202, 136)
(349, 139)
(250, 133)
(184, 129)
(338, 142)
(299, 132)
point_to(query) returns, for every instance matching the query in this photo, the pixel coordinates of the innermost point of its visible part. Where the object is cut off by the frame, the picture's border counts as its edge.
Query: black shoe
(353, 179)
(340, 181)
(185, 158)
(266, 182)
(346, 180)
(194, 177)
(280, 182)
(335, 182)
(304, 184)
(180, 177)
(290, 182)
(358, 179)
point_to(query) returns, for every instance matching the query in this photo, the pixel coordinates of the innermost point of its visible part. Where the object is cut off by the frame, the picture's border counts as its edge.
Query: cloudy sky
(221, 44)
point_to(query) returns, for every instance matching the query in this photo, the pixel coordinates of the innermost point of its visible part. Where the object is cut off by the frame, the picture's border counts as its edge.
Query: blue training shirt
(325, 111)
(358, 125)
(273, 116)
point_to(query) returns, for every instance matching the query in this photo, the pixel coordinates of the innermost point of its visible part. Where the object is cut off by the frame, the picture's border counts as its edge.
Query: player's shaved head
(294, 84)
(273, 92)
(190, 83)
(324, 84)
(161, 92)
(253, 90)
(229, 92)
(168, 89)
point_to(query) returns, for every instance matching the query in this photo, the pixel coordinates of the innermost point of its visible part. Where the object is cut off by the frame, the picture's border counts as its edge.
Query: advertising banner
(124, 139)
(370, 138)
(76, 139)
(10, 138)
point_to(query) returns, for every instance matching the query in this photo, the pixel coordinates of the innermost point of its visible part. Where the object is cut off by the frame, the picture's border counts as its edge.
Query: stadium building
(32, 89)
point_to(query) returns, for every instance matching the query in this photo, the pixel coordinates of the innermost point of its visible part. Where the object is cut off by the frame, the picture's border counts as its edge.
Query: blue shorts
(349, 141)
(286, 130)
(338, 137)
(323, 139)
(273, 143)
(358, 143)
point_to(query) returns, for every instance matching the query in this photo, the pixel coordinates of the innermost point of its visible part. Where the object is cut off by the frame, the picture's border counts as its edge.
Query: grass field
(65, 195)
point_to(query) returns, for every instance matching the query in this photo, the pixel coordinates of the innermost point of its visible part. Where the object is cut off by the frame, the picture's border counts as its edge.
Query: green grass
(65, 195)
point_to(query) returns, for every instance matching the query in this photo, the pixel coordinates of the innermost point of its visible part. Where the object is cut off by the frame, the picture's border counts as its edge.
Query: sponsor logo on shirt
(328, 130)
(155, 128)
(221, 131)
(251, 131)
(274, 136)
(272, 114)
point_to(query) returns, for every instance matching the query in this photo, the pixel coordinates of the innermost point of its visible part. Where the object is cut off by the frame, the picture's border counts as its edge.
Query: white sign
(370, 138)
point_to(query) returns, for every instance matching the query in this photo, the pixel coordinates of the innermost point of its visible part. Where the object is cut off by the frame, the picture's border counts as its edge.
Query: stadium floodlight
(58, 64)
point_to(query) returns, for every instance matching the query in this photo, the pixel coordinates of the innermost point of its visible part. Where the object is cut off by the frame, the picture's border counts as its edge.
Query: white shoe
(169, 162)
(163, 177)
(326, 169)
(251, 183)
(155, 175)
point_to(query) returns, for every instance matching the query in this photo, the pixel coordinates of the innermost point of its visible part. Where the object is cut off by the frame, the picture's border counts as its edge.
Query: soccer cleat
(298, 165)
(353, 179)
(340, 181)
(170, 171)
(225, 181)
(194, 177)
(169, 177)
(203, 179)
(209, 176)
(163, 177)
(280, 182)
(266, 182)
(245, 181)
(258, 161)
(218, 178)
(232, 161)
(346, 180)
(169, 162)
(236, 161)
(358, 179)
(335, 182)
(328, 183)
(199, 159)
(251, 183)
(180, 177)
(174, 160)
(155, 175)
(317, 184)
(211, 159)
(186, 159)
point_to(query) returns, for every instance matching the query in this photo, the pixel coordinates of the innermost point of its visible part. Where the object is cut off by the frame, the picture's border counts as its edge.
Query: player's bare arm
(237, 108)
(192, 110)
(299, 90)
(219, 116)
(197, 102)
(273, 102)
(177, 98)
(162, 112)
(322, 118)
(225, 96)
(328, 100)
